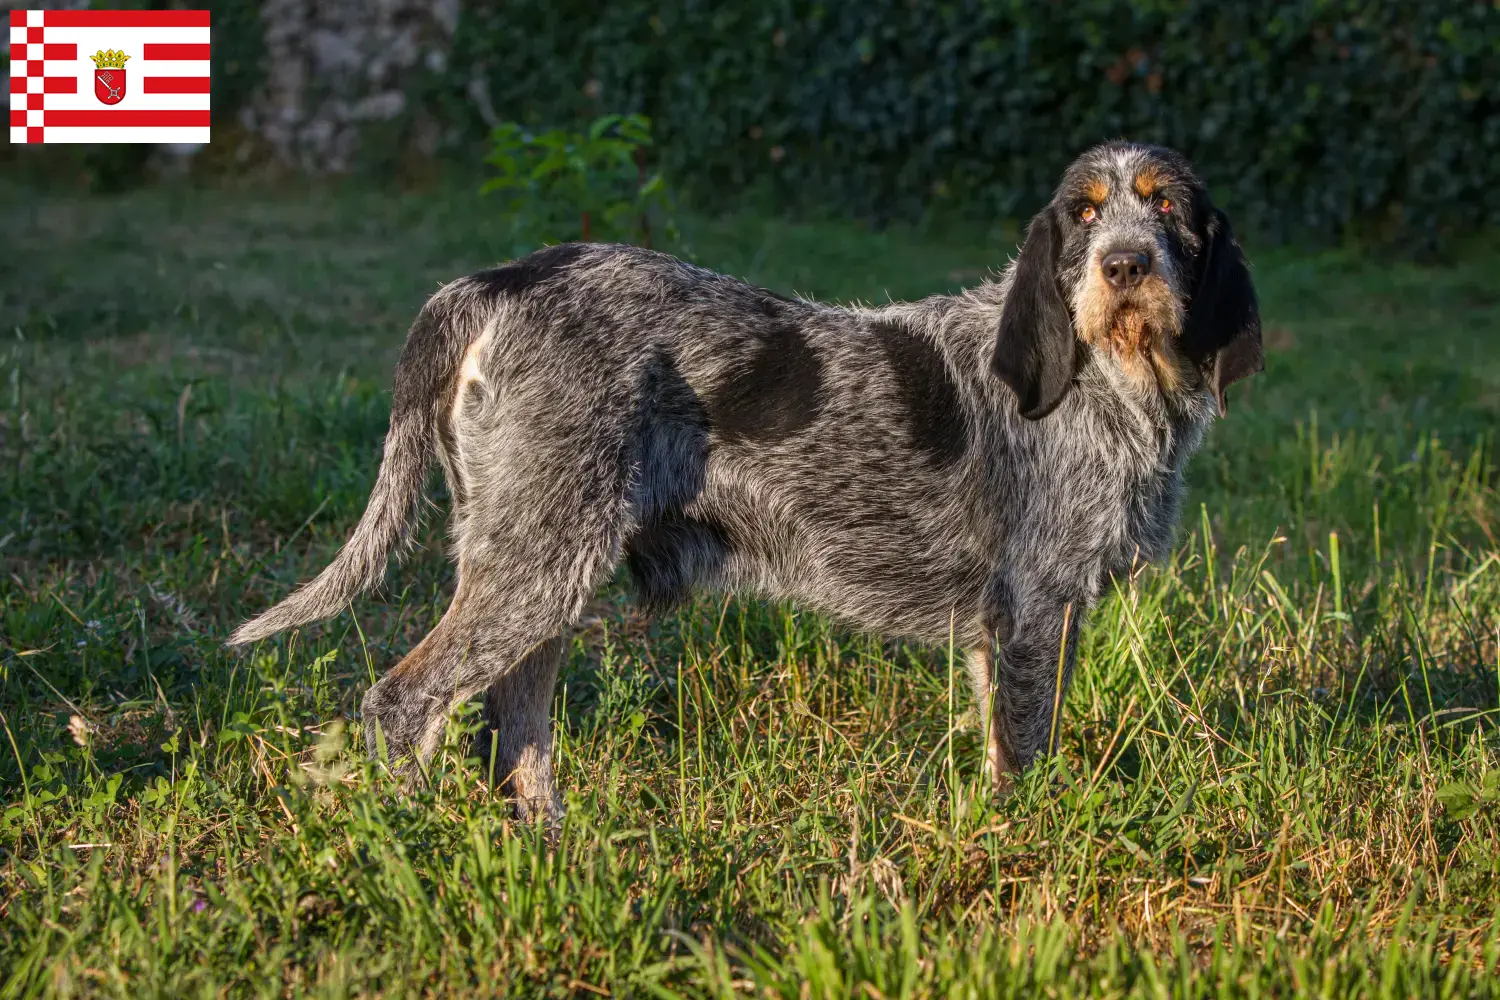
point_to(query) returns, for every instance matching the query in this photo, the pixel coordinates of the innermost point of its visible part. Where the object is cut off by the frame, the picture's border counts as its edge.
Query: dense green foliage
(1323, 118)
(588, 184)
(1278, 760)
(1306, 115)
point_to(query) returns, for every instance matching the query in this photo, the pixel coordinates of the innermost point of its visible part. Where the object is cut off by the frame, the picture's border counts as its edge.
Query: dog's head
(1131, 258)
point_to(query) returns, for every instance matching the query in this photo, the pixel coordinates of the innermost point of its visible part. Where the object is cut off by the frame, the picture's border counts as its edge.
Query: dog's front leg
(981, 663)
(1032, 666)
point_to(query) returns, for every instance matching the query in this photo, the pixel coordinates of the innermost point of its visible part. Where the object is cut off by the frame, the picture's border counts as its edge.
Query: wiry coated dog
(990, 459)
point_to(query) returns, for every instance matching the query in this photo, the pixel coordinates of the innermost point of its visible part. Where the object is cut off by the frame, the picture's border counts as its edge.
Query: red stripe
(125, 119)
(17, 116)
(59, 50)
(175, 85)
(60, 85)
(123, 18)
(162, 50)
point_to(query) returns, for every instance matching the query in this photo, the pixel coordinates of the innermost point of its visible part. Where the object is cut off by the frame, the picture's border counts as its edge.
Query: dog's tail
(429, 362)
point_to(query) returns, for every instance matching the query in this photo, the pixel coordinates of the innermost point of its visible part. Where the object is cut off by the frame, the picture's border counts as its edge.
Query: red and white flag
(109, 76)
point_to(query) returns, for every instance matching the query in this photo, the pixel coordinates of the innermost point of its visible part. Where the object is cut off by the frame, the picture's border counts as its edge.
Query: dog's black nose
(1125, 269)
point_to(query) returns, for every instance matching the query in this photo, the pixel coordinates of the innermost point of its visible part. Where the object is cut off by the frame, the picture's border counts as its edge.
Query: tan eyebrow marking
(1148, 181)
(1096, 191)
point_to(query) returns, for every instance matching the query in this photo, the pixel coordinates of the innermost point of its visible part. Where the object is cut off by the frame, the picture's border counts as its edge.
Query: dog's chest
(1114, 478)
(1153, 490)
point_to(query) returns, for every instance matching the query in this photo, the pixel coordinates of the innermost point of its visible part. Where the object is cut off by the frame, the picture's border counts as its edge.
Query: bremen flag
(109, 76)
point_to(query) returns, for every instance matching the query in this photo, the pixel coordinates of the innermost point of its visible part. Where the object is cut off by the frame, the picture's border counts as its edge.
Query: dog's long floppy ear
(1222, 332)
(1035, 348)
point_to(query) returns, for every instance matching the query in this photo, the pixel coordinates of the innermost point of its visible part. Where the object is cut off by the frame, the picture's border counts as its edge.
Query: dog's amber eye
(1089, 213)
(1164, 204)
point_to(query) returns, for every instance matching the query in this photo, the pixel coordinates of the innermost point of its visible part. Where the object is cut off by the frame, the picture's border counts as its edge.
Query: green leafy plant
(587, 185)
(1464, 799)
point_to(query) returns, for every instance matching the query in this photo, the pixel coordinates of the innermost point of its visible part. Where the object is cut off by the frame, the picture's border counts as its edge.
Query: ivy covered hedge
(1306, 116)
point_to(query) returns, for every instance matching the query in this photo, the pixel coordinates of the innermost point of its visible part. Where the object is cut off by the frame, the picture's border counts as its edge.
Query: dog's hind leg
(515, 746)
(539, 527)
(404, 713)
(487, 641)
(519, 590)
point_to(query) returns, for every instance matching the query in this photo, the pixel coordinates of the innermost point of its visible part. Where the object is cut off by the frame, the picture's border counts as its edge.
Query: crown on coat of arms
(109, 59)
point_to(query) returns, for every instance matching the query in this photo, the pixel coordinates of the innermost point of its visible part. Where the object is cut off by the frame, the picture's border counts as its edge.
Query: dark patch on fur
(669, 551)
(671, 554)
(776, 391)
(934, 413)
(526, 272)
(671, 454)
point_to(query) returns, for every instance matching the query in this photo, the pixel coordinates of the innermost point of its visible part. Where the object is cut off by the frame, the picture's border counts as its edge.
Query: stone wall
(335, 67)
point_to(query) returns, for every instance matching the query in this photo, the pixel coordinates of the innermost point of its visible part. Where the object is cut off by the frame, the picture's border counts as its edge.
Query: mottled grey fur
(987, 460)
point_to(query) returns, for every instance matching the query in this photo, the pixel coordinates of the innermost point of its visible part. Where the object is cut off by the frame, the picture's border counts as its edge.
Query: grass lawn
(1280, 770)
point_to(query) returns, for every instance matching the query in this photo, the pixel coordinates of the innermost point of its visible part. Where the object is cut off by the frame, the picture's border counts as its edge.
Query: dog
(979, 465)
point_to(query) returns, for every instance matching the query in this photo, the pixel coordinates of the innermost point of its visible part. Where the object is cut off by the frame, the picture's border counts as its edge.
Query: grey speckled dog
(990, 459)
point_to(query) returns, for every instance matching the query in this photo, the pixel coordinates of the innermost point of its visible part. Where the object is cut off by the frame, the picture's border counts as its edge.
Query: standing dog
(988, 460)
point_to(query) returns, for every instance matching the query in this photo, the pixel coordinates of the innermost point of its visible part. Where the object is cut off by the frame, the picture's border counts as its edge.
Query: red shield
(109, 85)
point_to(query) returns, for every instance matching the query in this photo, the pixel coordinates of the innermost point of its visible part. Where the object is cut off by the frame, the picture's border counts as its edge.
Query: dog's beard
(1132, 330)
(1139, 329)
